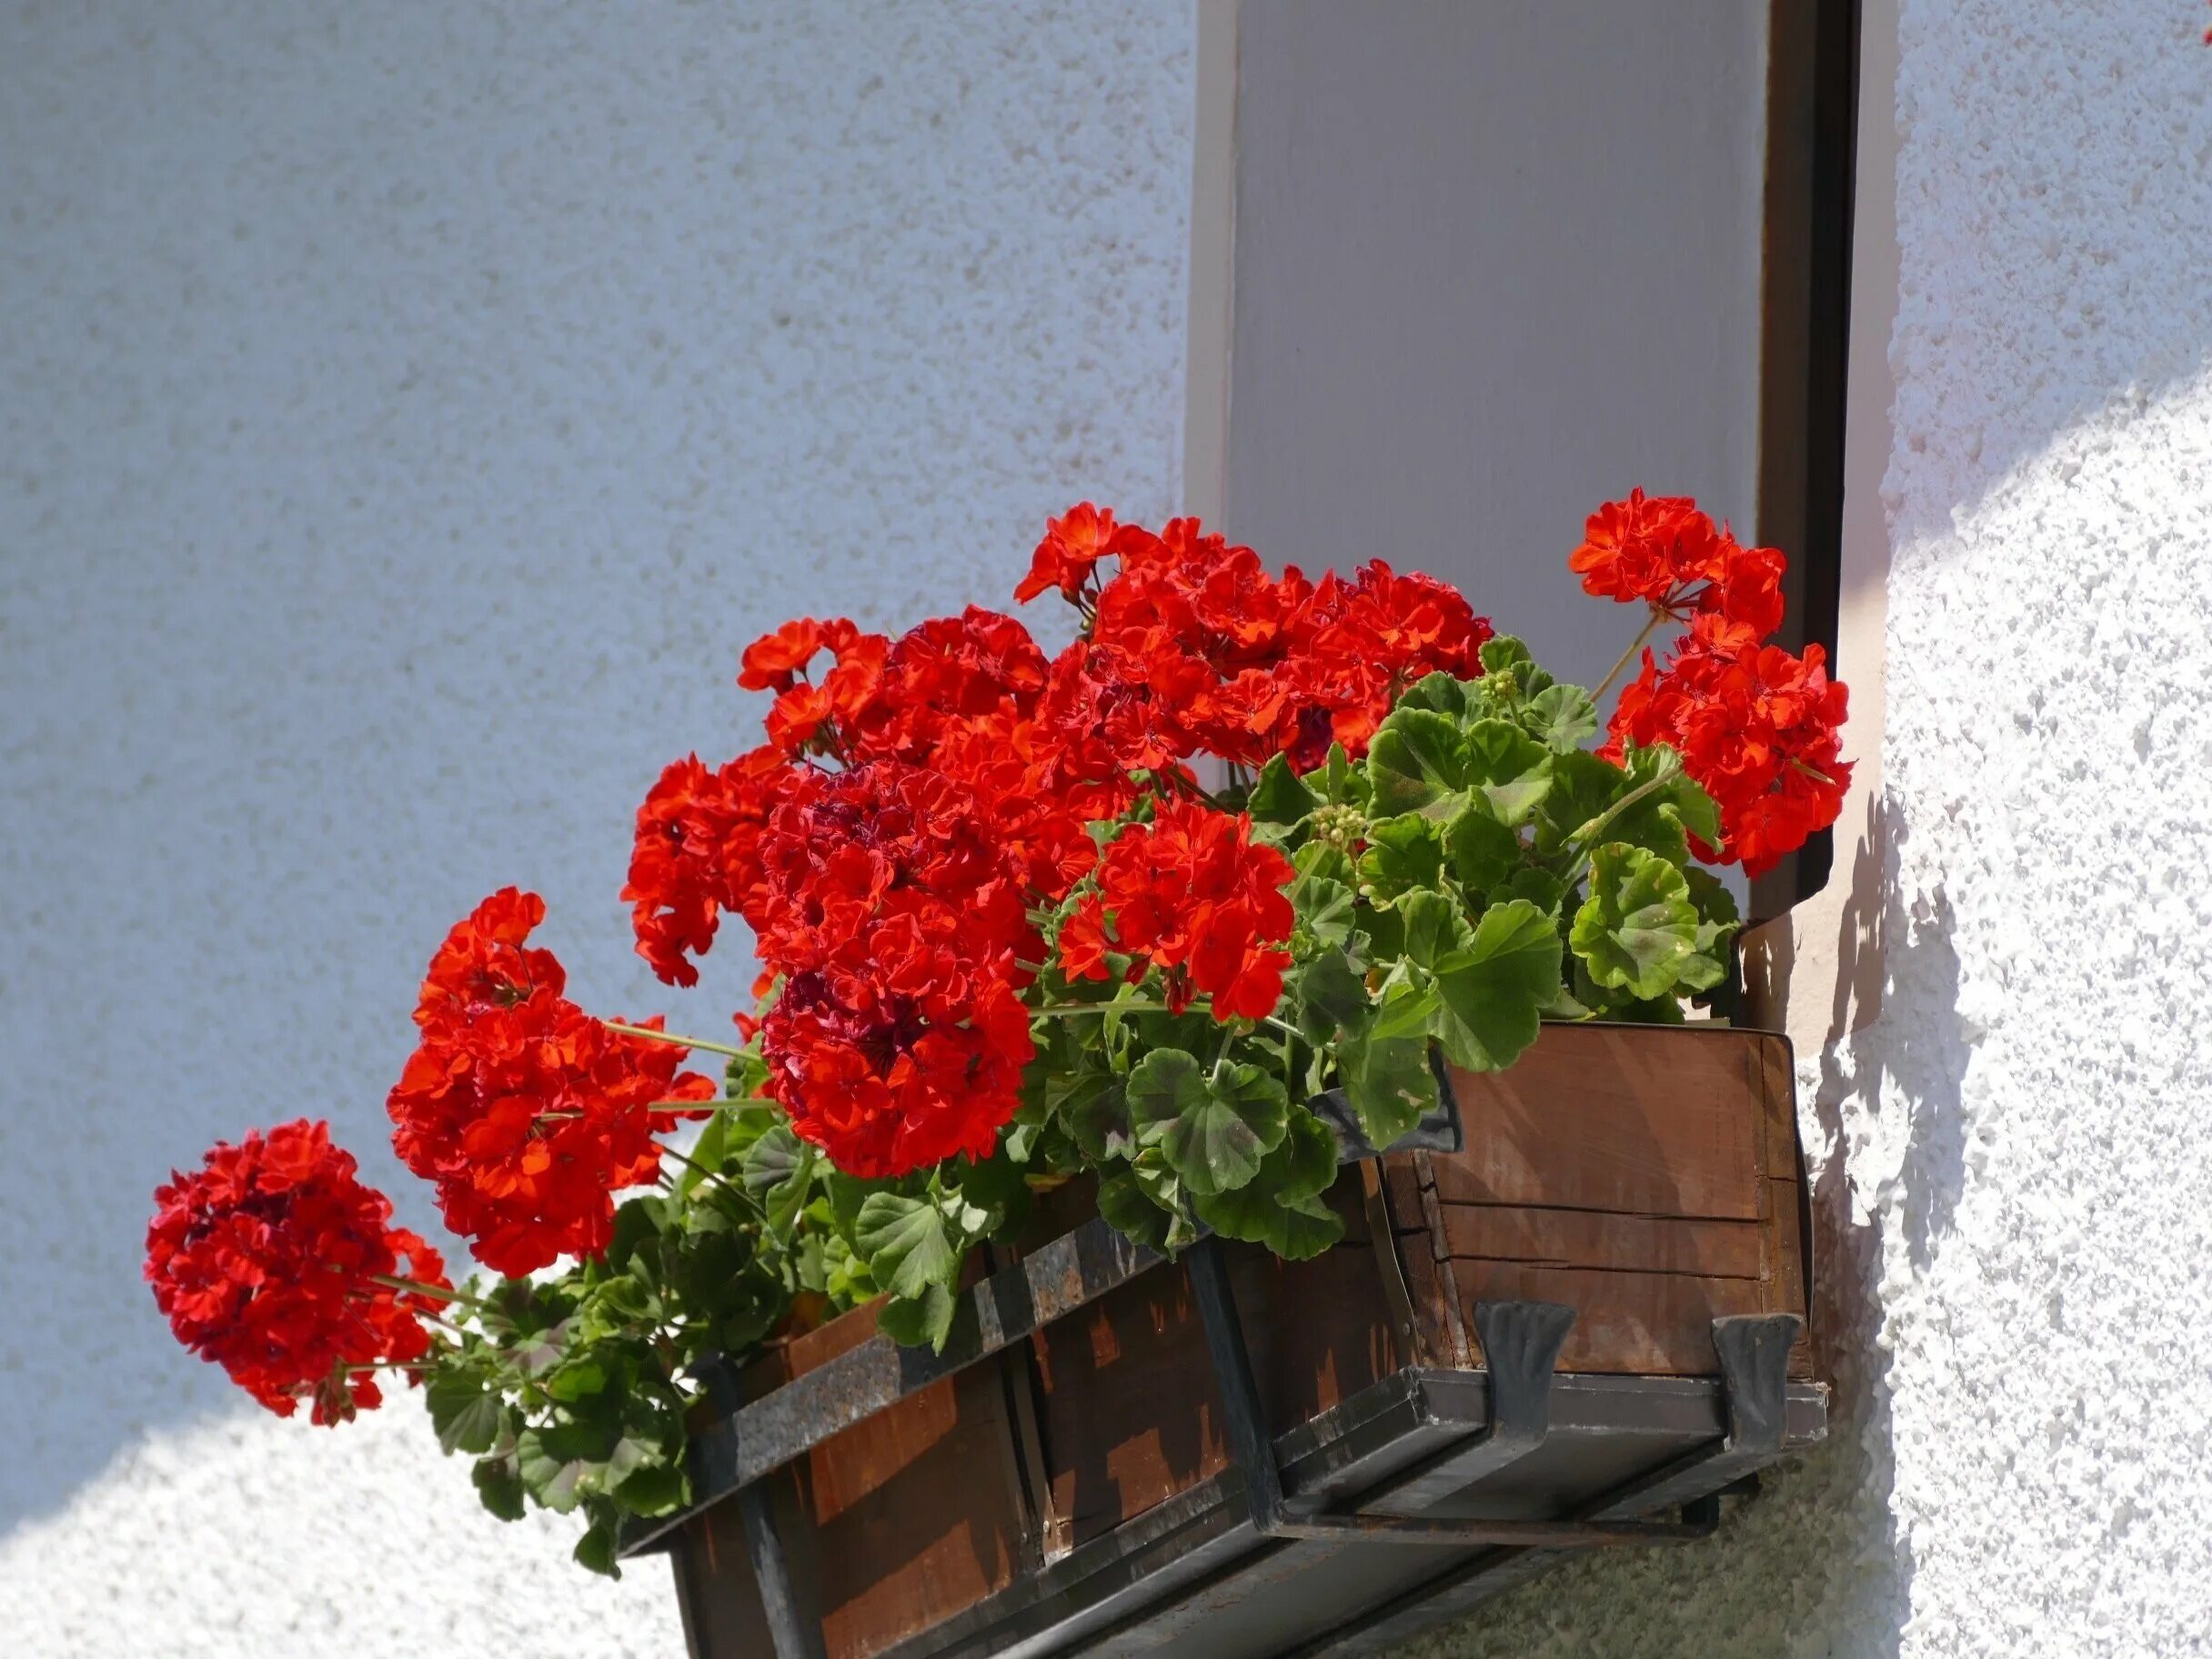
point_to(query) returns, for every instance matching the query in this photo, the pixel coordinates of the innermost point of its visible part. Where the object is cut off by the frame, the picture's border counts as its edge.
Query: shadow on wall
(1815, 1565)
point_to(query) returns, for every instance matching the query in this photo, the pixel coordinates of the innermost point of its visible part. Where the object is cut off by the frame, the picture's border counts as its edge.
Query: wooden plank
(913, 1514)
(1128, 1415)
(1777, 1086)
(1632, 1121)
(1618, 1243)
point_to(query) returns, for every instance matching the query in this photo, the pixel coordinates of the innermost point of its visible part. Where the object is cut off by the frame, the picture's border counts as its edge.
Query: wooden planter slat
(1318, 1332)
(1080, 1488)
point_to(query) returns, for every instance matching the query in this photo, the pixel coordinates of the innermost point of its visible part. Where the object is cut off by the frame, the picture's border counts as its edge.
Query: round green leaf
(1496, 988)
(1638, 928)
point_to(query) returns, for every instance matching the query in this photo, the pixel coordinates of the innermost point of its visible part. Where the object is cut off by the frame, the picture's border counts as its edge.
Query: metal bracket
(1754, 1352)
(1523, 1336)
(793, 1629)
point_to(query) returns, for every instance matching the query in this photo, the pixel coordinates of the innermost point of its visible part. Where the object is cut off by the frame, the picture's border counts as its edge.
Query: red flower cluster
(1193, 648)
(1756, 726)
(1189, 893)
(1663, 550)
(528, 1113)
(969, 697)
(265, 1260)
(894, 915)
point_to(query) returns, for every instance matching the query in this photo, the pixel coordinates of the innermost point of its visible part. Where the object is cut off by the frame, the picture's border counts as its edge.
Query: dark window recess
(1812, 125)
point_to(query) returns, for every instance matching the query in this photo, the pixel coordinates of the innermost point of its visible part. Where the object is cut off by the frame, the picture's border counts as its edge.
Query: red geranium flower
(527, 1112)
(1757, 727)
(1193, 894)
(1663, 550)
(895, 916)
(1069, 551)
(266, 1260)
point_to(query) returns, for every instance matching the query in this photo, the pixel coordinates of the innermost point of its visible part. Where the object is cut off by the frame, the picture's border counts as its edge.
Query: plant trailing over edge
(1007, 937)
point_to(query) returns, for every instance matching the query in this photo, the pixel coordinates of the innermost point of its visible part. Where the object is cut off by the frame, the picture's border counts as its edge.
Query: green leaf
(1128, 1211)
(779, 1171)
(907, 1243)
(465, 1411)
(1716, 922)
(652, 1488)
(1483, 852)
(1495, 985)
(1304, 1230)
(1296, 1230)
(1505, 655)
(1443, 695)
(576, 1379)
(596, 1550)
(1435, 928)
(1277, 796)
(1304, 1164)
(1561, 718)
(1582, 786)
(1326, 910)
(1508, 769)
(1403, 856)
(1095, 1109)
(1417, 763)
(1638, 927)
(1682, 799)
(1387, 1081)
(1213, 1128)
(554, 1468)
(1327, 994)
(499, 1486)
(913, 1320)
(1405, 1002)
(1541, 887)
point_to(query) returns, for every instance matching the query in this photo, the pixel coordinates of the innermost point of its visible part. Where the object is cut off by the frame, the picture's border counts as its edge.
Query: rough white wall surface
(2017, 1211)
(406, 412)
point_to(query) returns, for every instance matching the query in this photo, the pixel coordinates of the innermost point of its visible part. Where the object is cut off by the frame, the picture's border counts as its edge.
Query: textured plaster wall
(406, 412)
(2016, 1212)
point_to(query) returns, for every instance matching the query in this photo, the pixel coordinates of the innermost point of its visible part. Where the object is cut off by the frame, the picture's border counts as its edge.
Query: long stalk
(1635, 645)
(650, 1035)
(436, 1292)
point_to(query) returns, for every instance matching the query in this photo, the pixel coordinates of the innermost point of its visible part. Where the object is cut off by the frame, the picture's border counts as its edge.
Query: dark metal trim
(1756, 1395)
(1522, 1339)
(1521, 1343)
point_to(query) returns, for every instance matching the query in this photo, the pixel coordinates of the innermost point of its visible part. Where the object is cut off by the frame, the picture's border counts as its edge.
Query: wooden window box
(1575, 1332)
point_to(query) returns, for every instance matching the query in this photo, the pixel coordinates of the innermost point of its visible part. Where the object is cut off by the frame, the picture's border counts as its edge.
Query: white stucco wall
(2018, 1213)
(406, 412)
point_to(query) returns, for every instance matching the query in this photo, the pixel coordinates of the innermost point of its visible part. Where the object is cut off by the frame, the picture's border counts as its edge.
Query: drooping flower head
(527, 1114)
(266, 1261)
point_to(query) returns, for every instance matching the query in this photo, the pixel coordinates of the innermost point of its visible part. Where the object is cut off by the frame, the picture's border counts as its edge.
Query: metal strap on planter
(1520, 1342)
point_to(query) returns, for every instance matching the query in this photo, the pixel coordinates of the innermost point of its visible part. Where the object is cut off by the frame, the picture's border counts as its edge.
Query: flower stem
(736, 1103)
(716, 1176)
(1635, 645)
(650, 1035)
(1054, 1009)
(436, 1292)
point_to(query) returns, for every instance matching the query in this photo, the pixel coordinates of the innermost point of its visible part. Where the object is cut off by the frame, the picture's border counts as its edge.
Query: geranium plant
(1119, 913)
